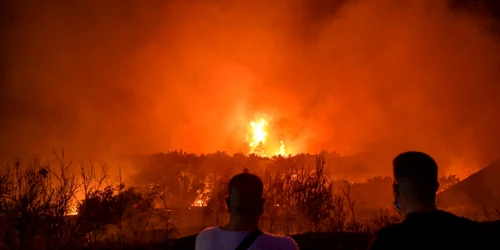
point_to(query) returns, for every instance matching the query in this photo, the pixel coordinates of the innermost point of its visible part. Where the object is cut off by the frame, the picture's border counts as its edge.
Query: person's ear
(262, 202)
(228, 203)
(395, 190)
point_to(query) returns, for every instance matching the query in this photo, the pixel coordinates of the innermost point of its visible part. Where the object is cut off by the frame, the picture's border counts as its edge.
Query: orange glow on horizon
(198, 74)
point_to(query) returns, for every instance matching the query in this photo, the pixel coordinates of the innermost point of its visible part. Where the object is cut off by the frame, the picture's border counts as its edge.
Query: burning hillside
(365, 78)
(261, 142)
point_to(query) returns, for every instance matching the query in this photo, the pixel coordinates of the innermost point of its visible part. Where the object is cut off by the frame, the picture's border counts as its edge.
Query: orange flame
(72, 211)
(257, 139)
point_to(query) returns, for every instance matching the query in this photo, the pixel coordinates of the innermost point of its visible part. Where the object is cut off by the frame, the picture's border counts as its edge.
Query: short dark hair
(247, 180)
(420, 171)
(245, 195)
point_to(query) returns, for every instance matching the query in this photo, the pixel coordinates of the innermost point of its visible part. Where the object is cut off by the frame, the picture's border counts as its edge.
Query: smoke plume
(368, 79)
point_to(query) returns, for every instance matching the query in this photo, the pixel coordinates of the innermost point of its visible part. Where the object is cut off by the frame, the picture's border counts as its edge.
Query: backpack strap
(249, 239)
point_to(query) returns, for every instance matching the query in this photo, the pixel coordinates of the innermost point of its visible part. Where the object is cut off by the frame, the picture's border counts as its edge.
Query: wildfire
(72, 211)
(257, 139)
(202, 199)
(282, 148)
(198, 203)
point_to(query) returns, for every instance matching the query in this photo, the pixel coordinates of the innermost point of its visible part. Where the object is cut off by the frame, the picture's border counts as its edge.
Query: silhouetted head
(415, 180)
(245, 196)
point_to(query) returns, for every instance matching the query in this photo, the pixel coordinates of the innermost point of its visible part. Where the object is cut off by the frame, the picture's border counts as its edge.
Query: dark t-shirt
(432, 230)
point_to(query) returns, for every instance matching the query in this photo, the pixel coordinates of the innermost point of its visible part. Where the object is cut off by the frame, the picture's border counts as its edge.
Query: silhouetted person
(424, 226)
(245, 204)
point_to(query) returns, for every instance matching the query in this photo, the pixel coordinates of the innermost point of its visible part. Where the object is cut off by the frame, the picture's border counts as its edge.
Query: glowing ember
(199, 202)
(72, 211)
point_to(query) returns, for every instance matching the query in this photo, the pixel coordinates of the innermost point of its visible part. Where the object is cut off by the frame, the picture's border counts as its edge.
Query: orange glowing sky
(365, 78)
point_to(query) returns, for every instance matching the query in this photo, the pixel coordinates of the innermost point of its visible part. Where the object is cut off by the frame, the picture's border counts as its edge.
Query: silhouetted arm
(386, 240)
(376, 243)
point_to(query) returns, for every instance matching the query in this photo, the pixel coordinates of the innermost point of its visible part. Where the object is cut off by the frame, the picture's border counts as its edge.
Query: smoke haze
(365, 78)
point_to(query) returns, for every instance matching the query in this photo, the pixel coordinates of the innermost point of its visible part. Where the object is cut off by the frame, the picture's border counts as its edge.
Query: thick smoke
(365, 78)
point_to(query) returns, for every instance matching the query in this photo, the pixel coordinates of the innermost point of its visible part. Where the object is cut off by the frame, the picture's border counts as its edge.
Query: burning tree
(260, 142)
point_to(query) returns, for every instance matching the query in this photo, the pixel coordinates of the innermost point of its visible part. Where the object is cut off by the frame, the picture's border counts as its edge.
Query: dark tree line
(64, 205)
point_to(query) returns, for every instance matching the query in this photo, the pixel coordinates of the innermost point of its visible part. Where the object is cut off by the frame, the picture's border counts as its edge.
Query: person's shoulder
(475, 225)
(205, 238)
(207, 232)
(386, 237)
(460, 223)
(389, 230)
(284, 242)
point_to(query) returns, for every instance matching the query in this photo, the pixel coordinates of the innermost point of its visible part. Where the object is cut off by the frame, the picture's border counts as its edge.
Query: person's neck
(420, 209)
(238, 223)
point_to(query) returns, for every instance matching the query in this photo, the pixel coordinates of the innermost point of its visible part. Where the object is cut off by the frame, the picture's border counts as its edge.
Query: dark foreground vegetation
(56, 204)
